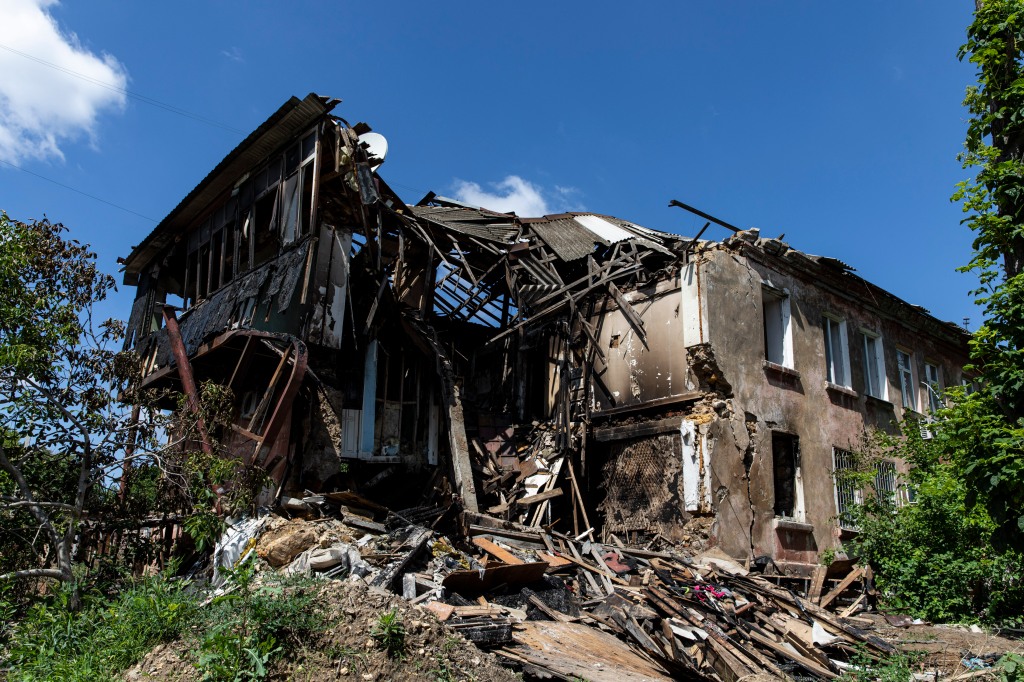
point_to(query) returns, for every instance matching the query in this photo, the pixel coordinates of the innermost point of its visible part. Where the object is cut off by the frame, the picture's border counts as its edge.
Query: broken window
(229, 252)
(847, 494)
(778, 342)
(933, 386)
(905, 367)
(265, 237)
(291, 205)
(306, 211)
(245, 242)
(189, 295)
(874, 366)
(203, 271)
(216, 251)
(786, 474)
(837, 357)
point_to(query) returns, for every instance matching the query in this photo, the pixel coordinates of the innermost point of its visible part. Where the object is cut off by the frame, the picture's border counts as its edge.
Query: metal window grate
(847, 494)
(885, 481)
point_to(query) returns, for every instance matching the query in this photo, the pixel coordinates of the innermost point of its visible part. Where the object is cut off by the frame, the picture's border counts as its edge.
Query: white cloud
(514, 193)
(234, 54)
(42, 107)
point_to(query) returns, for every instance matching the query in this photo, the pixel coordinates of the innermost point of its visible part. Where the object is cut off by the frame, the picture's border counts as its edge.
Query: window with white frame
(874, 366)
(933, 386)
(837, 355)
(905, 367)
(847, 494)
(778, 340)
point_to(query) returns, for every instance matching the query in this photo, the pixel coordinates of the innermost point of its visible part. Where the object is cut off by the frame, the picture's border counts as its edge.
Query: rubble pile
(570, 607)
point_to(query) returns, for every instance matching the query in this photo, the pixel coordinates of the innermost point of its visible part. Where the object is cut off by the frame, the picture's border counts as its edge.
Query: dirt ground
(345, 650)
(942, 647)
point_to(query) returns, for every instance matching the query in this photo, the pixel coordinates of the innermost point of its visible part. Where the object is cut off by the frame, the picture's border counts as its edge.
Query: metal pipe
(188, 382)
(704, 215)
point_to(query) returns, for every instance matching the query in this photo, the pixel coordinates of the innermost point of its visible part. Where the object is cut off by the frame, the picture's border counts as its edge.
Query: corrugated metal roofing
(474, 222)
(294, 117)
(608, 232)
(574, 235)
(566, 237)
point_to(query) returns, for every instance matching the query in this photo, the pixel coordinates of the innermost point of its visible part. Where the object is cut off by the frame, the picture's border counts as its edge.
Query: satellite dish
(376, 148)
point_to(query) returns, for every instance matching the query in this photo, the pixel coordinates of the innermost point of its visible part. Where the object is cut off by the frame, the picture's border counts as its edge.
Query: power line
(78, 191)
(128, 93)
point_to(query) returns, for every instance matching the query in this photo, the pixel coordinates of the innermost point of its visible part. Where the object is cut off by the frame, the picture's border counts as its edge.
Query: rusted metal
(188, 383)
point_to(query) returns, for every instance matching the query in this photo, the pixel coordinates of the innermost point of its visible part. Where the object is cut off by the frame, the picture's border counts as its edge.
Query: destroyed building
(577, 369)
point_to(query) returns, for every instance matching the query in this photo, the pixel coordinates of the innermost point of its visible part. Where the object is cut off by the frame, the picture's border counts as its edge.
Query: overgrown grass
(106, 636)
(236, 637)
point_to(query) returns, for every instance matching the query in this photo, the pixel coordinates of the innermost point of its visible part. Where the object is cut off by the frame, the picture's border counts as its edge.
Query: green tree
(986, 428)
(64, 427)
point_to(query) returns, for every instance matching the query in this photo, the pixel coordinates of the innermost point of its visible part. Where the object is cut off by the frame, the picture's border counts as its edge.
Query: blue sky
(837, 124)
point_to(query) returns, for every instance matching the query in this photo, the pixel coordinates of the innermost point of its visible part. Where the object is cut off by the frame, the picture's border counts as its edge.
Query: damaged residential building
(574, 370)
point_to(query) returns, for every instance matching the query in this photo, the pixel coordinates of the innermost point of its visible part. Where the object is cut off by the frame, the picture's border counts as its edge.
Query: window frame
(933, 386)
(881, 391)
(778, 337)
(905, 373)
(798, 506)
(842, 363)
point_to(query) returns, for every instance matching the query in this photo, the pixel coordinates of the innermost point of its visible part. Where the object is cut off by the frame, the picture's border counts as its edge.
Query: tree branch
(26, 492)
(49, 573)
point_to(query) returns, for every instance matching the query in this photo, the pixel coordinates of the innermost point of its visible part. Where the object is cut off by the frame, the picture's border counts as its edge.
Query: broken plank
(554, 561)
(801, 660)
(854, 575)
(853, 607)
(651, 428)
(817, 582)
(539, 497)
(415, 543)
(497, 552)
(577, 651)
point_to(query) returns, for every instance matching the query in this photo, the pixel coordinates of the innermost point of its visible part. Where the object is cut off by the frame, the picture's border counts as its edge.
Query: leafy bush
(935, 558)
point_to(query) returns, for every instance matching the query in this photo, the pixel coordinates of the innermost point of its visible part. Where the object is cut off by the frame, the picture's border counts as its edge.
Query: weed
(451, 643)
(1011, 668)
(347, 657)
(246, 629)
(443, 673)
(863, 668)
(389, 633)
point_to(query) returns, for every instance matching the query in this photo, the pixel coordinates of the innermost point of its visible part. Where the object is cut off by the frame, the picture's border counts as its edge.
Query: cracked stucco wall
(763, 399)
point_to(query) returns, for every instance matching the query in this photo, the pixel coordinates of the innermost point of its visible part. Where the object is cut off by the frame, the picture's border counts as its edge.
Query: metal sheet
(567, 238)
(471, 222)
(605, 231)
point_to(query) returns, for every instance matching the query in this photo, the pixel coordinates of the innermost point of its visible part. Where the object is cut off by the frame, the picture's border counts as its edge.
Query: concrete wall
(796, 400)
